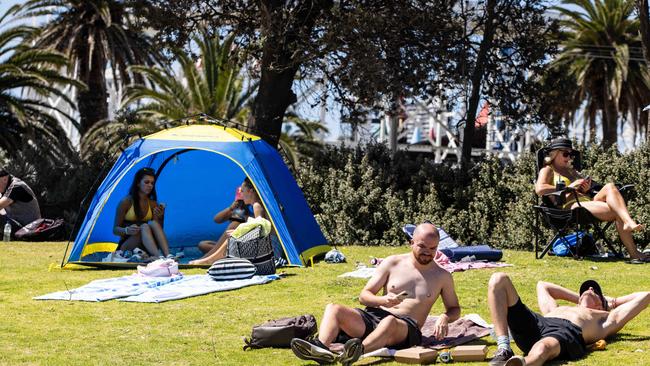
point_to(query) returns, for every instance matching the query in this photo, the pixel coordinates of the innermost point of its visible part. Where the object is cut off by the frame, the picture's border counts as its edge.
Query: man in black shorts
(562, 332)
(410, 284)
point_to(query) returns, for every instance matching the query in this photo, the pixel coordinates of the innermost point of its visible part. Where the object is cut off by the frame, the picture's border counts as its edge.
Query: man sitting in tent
(410, 284)
(18, 201)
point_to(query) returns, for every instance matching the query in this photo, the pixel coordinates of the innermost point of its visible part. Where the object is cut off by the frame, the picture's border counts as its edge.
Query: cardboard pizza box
(416, 355)
(469, 353)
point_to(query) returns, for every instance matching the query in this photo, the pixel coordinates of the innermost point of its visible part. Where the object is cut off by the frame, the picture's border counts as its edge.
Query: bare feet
(633, 226)
(200, 262)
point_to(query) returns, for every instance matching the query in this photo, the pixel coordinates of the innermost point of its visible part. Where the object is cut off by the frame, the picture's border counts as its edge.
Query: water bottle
(7, 233)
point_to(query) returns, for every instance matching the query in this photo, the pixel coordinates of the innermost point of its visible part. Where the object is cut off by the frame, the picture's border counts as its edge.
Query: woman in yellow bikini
(607, 205)
(139, 217)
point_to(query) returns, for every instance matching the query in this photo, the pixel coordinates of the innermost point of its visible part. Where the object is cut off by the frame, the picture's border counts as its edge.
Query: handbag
(279, 333)
(256, 248)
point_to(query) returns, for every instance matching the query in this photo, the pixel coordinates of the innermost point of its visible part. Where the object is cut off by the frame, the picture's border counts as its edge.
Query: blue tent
(199, 167)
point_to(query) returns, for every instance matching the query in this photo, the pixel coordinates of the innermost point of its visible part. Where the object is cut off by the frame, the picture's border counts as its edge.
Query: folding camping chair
(567, 221)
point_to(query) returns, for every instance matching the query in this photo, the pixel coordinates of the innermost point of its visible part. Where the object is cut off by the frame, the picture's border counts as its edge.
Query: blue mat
(480, 252)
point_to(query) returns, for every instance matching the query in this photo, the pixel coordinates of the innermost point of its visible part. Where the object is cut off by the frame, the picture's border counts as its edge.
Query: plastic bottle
(7, 232)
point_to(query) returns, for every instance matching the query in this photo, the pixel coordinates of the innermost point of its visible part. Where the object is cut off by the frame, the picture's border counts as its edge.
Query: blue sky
(6, 4)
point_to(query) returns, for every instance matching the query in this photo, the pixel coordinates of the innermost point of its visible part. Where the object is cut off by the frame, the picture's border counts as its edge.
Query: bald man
(410, 284)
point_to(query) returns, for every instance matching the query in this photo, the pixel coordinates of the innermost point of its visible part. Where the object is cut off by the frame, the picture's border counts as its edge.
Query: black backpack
(279, 333)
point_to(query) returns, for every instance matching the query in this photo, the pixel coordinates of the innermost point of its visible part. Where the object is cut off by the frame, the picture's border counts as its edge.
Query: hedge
(363, 196)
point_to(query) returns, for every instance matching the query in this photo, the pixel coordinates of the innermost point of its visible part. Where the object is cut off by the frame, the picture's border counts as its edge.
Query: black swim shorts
(528, 327)
(372, 316)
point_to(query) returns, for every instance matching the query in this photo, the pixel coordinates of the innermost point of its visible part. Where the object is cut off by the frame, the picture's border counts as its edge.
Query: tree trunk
(644, 27)
(274, 96)
(476, 80)
(92, 102)
(610, 119)
(279, 66)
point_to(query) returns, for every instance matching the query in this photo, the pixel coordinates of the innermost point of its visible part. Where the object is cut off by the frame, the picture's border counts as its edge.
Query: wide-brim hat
(593, 284)
(560, 143)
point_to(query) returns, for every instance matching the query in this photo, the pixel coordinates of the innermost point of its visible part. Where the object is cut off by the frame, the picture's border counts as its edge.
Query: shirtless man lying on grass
(562, 332)
(410, 285)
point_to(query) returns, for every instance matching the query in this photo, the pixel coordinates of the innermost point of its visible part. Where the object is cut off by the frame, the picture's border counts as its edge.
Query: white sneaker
(117, 257)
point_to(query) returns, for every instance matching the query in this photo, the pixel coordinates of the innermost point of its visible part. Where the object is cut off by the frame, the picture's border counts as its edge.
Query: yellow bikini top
(557, 177)
(131, 216)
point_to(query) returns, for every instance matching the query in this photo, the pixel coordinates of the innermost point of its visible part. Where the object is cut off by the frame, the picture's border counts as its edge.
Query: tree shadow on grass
(619, 337)
(627, 337)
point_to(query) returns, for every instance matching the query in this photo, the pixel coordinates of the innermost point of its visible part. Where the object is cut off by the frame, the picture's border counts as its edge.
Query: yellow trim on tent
(98, 247)
(210, 133)
(309, 254)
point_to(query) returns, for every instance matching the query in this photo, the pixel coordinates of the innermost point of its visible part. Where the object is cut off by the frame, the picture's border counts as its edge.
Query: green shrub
(59, 186)
(362, 196)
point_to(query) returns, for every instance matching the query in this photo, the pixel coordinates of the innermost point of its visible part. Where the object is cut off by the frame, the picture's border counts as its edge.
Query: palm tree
(600, 53)
(213, 85)
(303, 141)
(95, 35)
(27, 76)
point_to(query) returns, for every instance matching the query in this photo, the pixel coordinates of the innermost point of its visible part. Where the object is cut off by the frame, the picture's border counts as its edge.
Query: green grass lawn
(209, 329)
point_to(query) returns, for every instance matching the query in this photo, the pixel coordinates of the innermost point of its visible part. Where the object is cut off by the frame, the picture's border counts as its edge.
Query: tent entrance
(193, 184)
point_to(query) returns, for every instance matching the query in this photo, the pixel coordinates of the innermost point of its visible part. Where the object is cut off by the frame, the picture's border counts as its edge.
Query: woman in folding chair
(607, 205)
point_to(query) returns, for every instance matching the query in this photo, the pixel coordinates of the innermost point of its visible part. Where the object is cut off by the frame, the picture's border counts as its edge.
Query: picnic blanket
(440, 258)
(463, 330)
(137, 288)
(194, 286)
(110, 288)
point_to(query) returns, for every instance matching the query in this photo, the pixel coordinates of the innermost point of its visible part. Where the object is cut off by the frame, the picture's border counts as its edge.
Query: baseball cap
(593, 284)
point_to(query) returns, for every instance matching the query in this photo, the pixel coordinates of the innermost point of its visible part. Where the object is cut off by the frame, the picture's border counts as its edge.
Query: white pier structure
(430, 127)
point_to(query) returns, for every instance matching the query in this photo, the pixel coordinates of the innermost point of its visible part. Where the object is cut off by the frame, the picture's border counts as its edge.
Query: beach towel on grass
(111, 288)
(462, 331)
(194, 286)
(147, 289)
